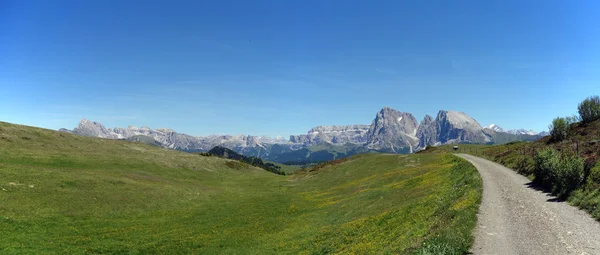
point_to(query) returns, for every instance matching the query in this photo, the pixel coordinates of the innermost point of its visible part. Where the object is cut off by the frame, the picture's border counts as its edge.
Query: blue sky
(282, 67)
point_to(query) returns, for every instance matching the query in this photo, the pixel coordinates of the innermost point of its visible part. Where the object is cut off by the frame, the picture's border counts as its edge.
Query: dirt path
(515, 218)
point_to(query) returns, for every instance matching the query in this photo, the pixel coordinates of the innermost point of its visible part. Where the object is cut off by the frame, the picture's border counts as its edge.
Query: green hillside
(582, 143)
(67, 194)
(144, 139)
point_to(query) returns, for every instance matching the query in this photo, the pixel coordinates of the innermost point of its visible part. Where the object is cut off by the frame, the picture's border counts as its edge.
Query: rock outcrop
(355, 134)
(393, 131)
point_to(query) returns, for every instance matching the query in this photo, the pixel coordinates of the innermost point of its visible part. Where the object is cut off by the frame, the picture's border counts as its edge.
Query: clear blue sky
(282, 67)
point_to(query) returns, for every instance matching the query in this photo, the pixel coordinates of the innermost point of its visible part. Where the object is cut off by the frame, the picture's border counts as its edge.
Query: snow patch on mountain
(495, 128)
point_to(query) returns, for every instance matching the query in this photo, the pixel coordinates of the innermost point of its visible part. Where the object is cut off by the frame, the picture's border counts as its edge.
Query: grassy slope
(61, 193)
(288, 169)
(586, 137)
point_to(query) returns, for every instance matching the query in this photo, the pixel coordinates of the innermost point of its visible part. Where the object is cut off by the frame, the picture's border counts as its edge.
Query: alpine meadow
(299, 127)
(63, 193)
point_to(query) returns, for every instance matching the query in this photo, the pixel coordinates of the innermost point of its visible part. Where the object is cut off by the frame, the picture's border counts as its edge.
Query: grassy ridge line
(61, 193)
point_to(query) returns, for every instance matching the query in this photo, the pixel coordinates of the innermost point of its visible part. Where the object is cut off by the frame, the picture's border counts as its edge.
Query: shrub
(589, 163)
(558, 129)
(561, 173)
(545, 162)
(569, 174)
(524, 165)
(595, 174)
(589, 109)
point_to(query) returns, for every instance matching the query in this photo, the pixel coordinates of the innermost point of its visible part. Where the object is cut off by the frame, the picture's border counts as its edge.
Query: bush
(569, 174)
(595, 174)
(545, 162)
(561, 173)
(589, 163)
(589, 109)
(524, 165)
(558, 129)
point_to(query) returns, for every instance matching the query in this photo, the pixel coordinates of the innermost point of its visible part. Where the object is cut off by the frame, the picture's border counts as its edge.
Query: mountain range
(390, 131)
(517, 131)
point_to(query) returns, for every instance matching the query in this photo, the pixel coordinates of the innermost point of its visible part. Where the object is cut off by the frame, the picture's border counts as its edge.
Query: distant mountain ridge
(495, 128)
(516, 131)
(355, 134)
(390, 131)
(169, 138)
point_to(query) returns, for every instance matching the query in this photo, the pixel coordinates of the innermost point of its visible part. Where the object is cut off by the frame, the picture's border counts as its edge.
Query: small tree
(558, 129)
(589, 109)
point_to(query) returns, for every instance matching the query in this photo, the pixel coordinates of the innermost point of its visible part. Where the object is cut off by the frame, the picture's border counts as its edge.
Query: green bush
(595, 174)
(561, 173)
(589, 109)
(524, 165)
(545, 162)
(558, 129)
(569, 174)
(589, 163)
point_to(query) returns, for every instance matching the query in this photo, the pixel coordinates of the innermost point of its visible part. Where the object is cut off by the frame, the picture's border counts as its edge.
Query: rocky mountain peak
(458, 119)
(427, 132)
(92, 128)
(495, 128)
(427, 120)
(393, 130)
(388, 117)
(456, 127)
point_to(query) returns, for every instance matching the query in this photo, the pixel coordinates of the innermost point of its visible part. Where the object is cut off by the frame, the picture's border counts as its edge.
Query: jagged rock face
(393, 131)
(457, 127)
(427, 132)
(355, 134)
(171, 139)
(95, 129)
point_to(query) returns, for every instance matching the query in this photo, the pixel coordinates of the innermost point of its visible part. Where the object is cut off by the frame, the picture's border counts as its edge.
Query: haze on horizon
(278, 68)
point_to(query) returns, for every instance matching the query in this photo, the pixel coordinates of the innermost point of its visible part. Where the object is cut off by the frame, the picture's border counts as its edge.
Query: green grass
(65, 194)
(288, 169)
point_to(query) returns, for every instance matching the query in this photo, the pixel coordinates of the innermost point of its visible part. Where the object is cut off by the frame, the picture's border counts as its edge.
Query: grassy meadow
(66, 194)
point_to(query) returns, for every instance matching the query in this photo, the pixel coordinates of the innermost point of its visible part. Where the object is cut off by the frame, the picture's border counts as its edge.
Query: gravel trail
(516, 218)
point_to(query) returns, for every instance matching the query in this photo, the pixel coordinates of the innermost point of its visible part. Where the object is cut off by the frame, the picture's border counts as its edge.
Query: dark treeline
(223, 152)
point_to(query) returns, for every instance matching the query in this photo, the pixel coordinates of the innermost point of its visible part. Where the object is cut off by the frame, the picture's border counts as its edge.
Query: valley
(299, 127)
(63, 193)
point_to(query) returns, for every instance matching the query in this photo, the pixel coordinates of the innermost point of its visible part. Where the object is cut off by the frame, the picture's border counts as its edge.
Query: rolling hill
(63, 193)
